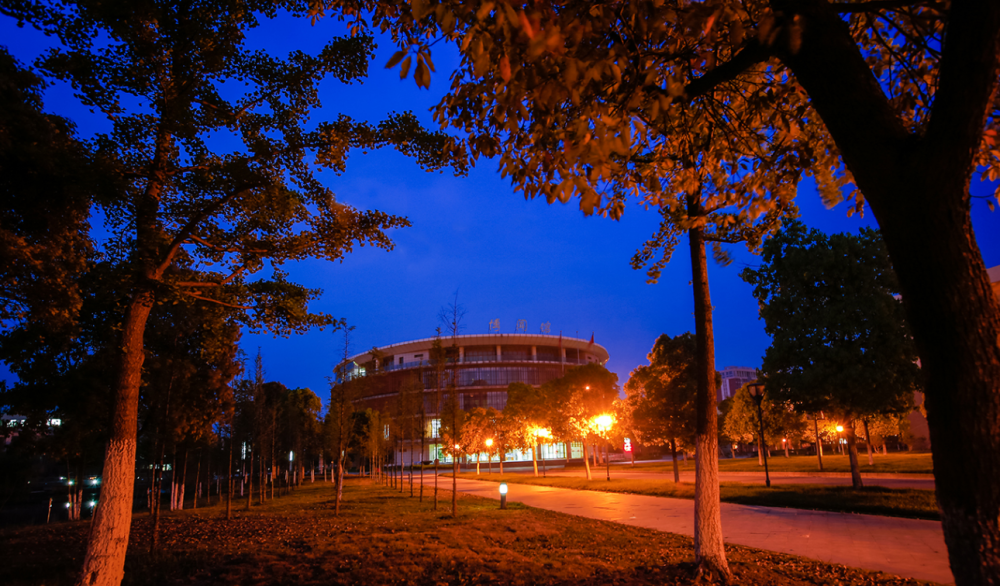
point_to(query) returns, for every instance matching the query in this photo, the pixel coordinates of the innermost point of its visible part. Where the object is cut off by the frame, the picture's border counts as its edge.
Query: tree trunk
(229, 491)
(709, 551)
(477, 464)
(673, 456)
(586, 459)
(760, 451)
(340, 483)
(454, 488)
(197, 483)
(918, 188)
(423, 436)
(819, 444)
(249, 479)
(852, 453)
(182, 484)
(868, 443)
(435, 484)
(534, 460)
(104, 562)
(501, 463)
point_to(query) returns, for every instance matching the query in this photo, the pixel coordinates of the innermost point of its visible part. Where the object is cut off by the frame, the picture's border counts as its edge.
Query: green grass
(899, 463)
(384, 537)
(873, 500)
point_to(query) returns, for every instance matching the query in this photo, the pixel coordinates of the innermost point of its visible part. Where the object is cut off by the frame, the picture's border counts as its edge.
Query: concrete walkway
(906, 547)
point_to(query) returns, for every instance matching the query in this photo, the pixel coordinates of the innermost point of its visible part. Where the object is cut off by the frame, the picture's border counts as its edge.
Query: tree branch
(187, 230)
(968, 77)
(877, 5)
(750, 55)
(216, 301)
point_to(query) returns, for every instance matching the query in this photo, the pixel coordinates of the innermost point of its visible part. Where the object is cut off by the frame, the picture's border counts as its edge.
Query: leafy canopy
(839, 340)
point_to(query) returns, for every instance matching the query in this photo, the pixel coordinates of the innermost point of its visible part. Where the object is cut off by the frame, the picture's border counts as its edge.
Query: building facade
(734, 377)
(481, 365)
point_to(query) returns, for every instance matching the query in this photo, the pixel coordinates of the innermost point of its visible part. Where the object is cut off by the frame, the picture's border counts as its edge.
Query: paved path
(886, 480)
(905, 547)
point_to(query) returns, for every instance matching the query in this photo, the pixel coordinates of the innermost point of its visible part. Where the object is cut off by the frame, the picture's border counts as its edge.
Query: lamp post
(489, 455)
(840, 445)
(541, 432)
(503, 495)
(604, 425)
(756, 392)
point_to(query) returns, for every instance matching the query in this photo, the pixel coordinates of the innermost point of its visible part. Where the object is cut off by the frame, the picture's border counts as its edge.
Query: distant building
(734, 377)
(482, 367)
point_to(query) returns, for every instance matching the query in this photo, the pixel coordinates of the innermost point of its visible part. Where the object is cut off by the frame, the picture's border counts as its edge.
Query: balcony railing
(451, 361)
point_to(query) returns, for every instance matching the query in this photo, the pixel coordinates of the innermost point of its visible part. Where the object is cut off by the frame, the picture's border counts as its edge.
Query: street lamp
(756, 392)
(604, 425)
(541, 432)
(503, 495)
(840, 446)
(489, 455)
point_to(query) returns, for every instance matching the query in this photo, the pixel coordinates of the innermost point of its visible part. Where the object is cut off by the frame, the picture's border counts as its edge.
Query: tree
(48, 180)
(839, 343)
(523, 413)
(660, 397)
(897, 97)
(254, 207)
(781, 421)
(573, 401)
(479, 426)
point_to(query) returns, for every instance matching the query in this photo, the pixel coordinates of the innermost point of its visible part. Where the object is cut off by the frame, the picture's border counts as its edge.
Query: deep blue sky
(508, 258)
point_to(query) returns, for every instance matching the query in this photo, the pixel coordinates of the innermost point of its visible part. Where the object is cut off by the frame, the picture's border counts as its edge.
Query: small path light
(503, 495)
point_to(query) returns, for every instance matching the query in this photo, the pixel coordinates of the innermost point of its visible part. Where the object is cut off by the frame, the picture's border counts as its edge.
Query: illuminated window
(435, 428)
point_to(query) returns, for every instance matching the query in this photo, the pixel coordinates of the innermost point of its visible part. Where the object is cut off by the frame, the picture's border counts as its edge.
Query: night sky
(507, 258)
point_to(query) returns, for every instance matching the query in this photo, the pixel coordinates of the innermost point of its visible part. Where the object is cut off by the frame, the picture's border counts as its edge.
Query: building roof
(489, 340)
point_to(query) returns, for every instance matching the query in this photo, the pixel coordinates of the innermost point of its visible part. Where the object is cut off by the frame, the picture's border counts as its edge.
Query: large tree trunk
(918, 188)
(534, 460)
(709, 551)
(104, 562)
(586, 458)
(852, 454)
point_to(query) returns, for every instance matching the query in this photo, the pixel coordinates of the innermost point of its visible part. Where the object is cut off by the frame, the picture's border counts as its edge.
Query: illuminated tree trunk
(852, 454)
(534, 460)
(104, 562)
(819, 444)
(918, 188)
(709, 551)
(454, 488)
(586, 459)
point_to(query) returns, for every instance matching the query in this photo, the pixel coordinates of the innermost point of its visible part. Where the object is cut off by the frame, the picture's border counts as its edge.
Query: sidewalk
(905, 547)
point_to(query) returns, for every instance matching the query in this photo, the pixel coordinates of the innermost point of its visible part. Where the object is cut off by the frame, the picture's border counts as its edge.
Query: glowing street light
(503, 495)
(604, 422)
(840, 442)
(541, 432)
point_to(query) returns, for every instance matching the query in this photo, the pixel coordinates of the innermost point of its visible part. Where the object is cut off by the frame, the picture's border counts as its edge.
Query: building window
(435, 428)
(385, 431)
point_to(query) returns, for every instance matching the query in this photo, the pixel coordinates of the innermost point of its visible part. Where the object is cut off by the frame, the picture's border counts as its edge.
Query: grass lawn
(873, 500)
(900, 463)
(383, 537)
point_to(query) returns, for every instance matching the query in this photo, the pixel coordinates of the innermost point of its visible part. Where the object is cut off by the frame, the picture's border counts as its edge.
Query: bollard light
(503, 495)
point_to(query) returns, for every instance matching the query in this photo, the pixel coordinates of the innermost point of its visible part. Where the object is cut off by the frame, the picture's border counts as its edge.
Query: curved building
(482, 364)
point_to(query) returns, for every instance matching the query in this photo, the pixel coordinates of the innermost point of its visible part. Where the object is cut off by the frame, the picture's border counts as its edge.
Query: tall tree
(257, 206)
(905, 92)
(839, 343)
(660, 397)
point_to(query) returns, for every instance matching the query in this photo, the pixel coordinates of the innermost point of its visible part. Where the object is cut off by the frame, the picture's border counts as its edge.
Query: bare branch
(217, 302)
